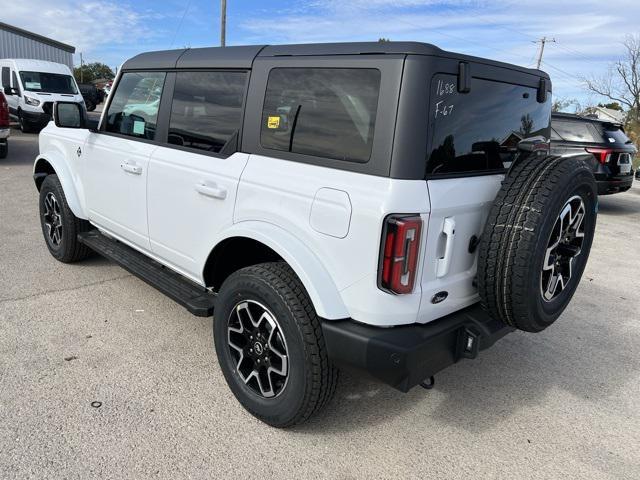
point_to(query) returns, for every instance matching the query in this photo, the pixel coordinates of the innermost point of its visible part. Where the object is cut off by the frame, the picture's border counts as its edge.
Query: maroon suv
(4, 126)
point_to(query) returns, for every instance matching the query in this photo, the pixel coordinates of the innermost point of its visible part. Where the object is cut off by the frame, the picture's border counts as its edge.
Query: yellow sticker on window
(273, 122)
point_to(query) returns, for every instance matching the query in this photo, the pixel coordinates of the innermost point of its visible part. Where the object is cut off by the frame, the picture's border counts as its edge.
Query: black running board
(193, 297)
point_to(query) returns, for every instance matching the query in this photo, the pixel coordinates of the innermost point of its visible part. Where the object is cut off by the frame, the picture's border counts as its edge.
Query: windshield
(48, 82)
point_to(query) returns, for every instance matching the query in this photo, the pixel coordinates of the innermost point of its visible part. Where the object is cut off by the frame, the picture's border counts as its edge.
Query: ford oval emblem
(439, 297)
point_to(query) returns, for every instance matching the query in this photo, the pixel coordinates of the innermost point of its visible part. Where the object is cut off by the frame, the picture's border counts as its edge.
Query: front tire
(270, 345)
(24, 126)
(4, 150)
(60, 226)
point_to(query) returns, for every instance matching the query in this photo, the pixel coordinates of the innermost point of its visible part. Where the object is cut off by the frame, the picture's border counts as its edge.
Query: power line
(184, 14)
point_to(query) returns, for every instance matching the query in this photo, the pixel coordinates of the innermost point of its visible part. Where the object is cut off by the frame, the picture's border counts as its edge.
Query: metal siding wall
(17, 46)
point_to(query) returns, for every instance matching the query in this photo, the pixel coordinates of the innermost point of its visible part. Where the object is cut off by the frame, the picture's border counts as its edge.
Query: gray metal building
(18, 43)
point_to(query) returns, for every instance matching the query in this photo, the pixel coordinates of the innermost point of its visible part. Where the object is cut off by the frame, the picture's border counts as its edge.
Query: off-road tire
(70, 249)
(517, 235)
(312, 378)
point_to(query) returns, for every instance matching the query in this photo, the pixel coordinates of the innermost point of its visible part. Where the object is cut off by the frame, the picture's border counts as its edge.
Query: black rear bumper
(406, 355)
(614, 185)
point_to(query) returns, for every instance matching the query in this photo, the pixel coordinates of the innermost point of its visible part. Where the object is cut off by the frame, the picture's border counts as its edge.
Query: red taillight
(399, 263)
(4, 112)
(602, 154)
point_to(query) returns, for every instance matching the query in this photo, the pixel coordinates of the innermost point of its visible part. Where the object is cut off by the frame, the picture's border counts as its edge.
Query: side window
(14, 82)
(5, 77)
(134, 108)
(206, 110)
(576, 131)
(326, 112)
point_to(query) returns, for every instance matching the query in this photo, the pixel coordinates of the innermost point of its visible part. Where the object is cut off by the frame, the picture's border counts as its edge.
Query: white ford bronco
(391, 207)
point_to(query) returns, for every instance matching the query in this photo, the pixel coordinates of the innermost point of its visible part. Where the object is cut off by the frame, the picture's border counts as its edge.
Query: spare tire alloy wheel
(537, 240)
(565, 244)
(52, 219)
(258, 347)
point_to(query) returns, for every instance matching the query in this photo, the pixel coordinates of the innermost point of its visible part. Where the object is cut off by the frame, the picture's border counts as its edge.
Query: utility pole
(223, 22)
(542, 42)
(81, 69)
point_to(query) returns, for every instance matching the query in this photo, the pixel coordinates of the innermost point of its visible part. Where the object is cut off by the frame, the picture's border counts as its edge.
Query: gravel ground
(562, 403)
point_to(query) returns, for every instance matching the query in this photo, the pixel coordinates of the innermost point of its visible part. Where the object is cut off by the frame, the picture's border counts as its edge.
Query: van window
(326, 112)
(48, 82)
(134, 108)
(479, 131)
(14, 81)
(206, 109)
(5, 77)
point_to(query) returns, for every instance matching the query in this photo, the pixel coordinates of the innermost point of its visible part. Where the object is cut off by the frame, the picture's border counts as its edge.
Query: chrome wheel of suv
(258, 348)
(53, 219)
(564, 245)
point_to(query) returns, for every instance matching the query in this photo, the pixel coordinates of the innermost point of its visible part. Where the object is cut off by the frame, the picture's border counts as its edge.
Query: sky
(588, 34)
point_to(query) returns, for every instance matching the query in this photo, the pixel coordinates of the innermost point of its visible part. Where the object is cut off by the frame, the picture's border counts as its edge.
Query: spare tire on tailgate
(536, 240)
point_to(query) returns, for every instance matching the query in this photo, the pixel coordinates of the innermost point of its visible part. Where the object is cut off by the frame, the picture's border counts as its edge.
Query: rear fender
(319, 285)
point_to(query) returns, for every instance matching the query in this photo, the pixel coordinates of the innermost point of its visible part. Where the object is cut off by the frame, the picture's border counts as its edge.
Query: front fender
(68, 180)
(315, 278)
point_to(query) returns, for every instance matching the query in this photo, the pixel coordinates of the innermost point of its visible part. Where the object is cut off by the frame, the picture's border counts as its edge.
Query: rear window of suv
(479, 131)
(325, 112)
(585, 131)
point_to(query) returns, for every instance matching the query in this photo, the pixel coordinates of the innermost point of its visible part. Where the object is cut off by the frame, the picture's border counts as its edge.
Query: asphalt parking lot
(562, 403)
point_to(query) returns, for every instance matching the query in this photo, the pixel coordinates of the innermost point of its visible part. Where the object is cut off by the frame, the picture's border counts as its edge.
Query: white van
(31, 87)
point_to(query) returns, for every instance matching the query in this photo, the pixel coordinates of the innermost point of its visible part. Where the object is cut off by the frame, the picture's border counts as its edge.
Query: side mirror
(10, 91)
(69, 115)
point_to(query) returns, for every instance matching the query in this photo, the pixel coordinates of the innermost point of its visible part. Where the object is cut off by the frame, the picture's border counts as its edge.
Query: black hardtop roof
(243, 56)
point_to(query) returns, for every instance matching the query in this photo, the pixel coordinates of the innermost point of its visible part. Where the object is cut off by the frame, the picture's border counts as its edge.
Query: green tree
(92, 71)
(612, 106)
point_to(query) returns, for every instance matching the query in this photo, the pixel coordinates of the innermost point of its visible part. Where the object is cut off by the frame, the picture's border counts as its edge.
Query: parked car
(5, 129)
(338, 204)
(607, 142)
(31, 87)
(89, 95)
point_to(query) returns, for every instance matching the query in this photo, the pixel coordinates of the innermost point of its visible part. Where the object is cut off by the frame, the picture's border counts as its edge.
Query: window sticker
(273, 122)
(138, 127)
(32, 85)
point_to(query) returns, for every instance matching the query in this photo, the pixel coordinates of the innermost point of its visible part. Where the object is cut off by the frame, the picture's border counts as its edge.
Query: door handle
(127, 167)
(212, 191)
(449, 230)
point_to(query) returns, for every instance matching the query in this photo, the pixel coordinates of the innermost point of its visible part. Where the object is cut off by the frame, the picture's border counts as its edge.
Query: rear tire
(537, 240)
(60, 226)
(4, 150)
(272, 292)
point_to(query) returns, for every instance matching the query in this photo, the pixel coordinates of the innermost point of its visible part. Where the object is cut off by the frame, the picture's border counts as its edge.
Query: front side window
(48, 82)
(206, 110)
(479, 131)
(325, 112)
(134, 108)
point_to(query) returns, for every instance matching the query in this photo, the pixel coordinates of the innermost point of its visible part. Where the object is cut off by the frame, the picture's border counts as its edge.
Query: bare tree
(622, 83)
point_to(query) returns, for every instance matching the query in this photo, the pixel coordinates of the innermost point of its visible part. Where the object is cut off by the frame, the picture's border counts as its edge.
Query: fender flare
(63, 171)
(314, 276)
